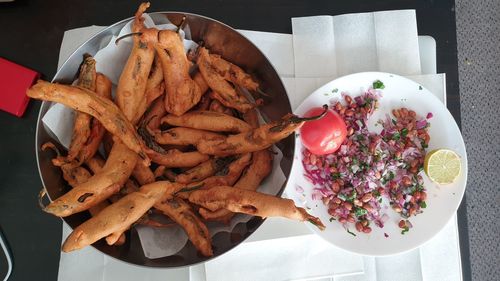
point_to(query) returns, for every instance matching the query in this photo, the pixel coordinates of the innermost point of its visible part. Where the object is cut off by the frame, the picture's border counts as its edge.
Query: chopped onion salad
(369, 167)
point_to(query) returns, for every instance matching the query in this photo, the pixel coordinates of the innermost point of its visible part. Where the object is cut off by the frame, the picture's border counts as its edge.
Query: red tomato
(325, 135)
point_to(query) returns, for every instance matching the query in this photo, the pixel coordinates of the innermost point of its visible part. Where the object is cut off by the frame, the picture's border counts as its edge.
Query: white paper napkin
(333, 46)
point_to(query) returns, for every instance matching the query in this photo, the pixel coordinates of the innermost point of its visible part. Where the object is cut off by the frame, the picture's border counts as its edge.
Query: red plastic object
(14, 81)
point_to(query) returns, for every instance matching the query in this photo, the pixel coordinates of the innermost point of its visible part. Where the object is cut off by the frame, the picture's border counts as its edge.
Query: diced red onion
(421, 124)
(410, 151)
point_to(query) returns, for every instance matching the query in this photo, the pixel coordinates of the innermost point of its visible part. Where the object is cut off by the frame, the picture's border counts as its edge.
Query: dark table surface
(32, 34)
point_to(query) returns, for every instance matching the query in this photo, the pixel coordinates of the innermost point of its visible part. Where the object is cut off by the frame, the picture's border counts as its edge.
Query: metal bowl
(220, 39)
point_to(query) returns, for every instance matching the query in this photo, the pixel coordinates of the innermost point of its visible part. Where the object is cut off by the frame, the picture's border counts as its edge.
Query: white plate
(442, 201)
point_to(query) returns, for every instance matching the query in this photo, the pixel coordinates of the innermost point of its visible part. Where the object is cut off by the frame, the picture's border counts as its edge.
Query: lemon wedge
(442, 166)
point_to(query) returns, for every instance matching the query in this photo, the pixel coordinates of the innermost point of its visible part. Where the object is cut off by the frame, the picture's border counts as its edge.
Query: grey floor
(478, 32)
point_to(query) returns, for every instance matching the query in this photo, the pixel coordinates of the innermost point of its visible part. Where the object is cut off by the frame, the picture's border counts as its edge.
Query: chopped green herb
(391, 175)
(368, 102)
(413, 188)
(342, 196)
(406, 229)
(423, 205)
(335, 90)
(376, 193)
(420, 87)
(378, 85)
(353, 196)
(393, 121)
(404, 132)
(360, 212)
(350, 232)
(332, 219)
(380, 200)
(364, 148)
(396, 136)
(364, 166)
(355, 161)
(335, 176)
(360, 137)
(424, 145)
